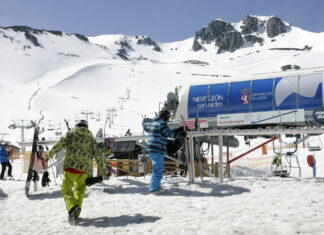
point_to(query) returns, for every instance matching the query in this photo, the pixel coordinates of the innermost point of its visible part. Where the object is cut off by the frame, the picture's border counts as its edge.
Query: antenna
(128, 93)
(121, 101)
(110, 115)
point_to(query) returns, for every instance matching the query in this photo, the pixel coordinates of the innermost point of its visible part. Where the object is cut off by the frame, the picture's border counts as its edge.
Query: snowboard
(32, 173)
(32, 169)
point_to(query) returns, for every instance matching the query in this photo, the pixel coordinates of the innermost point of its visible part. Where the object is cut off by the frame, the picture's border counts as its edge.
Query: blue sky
(162, 20)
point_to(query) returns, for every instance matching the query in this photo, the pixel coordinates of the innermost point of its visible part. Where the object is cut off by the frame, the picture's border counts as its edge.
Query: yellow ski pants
(73, 198)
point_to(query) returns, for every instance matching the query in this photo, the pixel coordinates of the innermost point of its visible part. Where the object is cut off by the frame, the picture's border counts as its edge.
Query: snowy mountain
(62, 74)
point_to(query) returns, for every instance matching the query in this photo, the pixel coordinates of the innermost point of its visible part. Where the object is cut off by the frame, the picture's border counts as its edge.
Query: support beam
(192, 160)
(221, 174)
(251, 150)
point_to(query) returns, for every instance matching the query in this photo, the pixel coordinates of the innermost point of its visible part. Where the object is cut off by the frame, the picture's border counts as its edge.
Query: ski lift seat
(314, 148)
(283, 173)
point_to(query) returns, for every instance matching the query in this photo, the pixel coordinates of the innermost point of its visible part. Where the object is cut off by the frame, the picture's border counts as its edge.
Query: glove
(45, 179)
(92, 180)
(178, 129)
(183, 134)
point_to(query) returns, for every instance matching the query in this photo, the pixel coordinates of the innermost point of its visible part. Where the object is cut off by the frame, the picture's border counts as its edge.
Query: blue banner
(262, 95)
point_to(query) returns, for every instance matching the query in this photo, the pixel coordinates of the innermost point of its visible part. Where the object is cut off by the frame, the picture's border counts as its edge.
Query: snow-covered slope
(63, 74)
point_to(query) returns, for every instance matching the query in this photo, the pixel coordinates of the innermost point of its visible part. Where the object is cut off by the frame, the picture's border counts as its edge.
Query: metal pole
(200, 160)
(22, 138)
(212, 155)
(192, 159)
(220, 143)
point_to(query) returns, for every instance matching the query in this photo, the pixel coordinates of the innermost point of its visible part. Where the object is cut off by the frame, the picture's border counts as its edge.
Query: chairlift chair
(50, 126)
(279, 167)
(283, 166)
(314, 143)
(98, 117)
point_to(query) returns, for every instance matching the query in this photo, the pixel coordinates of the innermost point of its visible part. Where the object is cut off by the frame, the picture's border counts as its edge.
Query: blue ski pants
(157, 170)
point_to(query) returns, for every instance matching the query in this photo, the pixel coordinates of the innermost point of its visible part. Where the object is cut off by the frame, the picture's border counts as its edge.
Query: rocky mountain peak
(275, 26)
(144, 40)
(250, 25)
(224, 34)
(227, 38)
(31, 33)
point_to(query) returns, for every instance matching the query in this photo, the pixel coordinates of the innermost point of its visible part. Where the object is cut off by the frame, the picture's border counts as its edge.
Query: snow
(251, 202)
(66, 76)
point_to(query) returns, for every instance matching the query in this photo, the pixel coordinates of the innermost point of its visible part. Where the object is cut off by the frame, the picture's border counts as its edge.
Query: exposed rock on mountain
(275, 26)
(229, 41)
(250, 25)
(224, 34)
(289, 67)
(148, 41)
(214, 30)
(196, 46)
(31, 34)
(253, 39)
(124, 44)
(227, 38)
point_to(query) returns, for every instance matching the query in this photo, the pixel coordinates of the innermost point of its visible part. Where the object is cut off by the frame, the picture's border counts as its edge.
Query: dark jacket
(158, 136)
(3, 155)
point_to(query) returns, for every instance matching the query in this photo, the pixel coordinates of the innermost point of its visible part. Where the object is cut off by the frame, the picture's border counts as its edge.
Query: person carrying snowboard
(157, 146)
(80, 148)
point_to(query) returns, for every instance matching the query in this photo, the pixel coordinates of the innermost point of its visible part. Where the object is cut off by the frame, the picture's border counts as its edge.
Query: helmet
(82, 123)
(165, 114)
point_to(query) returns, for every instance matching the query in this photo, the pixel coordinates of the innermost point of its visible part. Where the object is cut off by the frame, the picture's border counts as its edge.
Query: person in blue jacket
(5, 161)
(157, 146)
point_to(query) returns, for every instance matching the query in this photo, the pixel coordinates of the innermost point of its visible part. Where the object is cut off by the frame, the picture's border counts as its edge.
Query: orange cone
(264, 150)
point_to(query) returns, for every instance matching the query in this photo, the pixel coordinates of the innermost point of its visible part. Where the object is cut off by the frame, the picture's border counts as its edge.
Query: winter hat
(82, 123)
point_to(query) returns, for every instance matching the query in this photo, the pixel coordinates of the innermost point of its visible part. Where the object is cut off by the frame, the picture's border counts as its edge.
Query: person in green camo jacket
(80, 148)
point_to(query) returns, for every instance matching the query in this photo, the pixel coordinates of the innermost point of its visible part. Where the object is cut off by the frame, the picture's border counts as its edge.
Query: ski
(186, 145)
(32, 170)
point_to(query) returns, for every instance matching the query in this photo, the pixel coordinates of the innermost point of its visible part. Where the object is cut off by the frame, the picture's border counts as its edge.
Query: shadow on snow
(3, 195)
(215, 189)
(118, 221)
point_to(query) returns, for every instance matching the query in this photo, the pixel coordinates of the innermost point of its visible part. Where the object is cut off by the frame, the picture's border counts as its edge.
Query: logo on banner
(245, 96)
(318, 114)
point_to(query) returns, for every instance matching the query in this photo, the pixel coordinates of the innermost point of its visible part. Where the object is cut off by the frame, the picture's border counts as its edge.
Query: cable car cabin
(288, 99)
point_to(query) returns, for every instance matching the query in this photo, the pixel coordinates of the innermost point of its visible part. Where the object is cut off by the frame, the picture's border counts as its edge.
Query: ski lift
(98, 117)
(314, 143)
(58, 133)
(283, 163)
(279, 167)
(77, 119)
(50, 126)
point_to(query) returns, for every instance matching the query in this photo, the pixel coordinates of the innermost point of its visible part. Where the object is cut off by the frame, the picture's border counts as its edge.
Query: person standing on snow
(4, 161)
(80, 148)
(157, 146)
